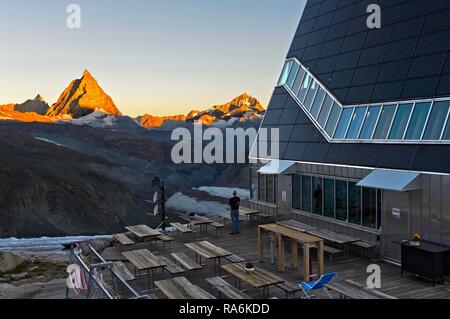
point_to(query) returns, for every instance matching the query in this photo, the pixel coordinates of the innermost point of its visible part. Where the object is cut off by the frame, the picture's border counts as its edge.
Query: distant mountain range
(84, 102)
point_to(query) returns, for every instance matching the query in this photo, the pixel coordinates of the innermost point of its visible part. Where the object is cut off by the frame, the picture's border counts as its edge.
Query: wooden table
(260, 278)
(248, 212)
(280, 233)
(209, 251)
(144, 260)
(181, 288)
(333, 237)
(203, 222)
(295, 225)
(143, 231)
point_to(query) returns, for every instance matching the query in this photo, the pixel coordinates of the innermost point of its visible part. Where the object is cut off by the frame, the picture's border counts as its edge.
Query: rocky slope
(149, 121)
(83, 97)
(36, 105)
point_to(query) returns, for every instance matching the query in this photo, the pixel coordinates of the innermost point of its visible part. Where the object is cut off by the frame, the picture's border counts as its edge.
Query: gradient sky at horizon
(159, 57)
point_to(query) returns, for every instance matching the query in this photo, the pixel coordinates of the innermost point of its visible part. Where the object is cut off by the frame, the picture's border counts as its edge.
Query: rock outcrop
(149, 121)
(37, 105)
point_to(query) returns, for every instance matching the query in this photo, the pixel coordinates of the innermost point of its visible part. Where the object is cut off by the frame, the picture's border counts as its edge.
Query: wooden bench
(187, 262)
(217, 226)
(123, 239)
(351, 290)
(165, 240)
(181, 228)
(263, 216)
(289, 289)
(171, 267)
(224, 288)
(331, 251)
(367, 247)
(234, 259)
(122, 270)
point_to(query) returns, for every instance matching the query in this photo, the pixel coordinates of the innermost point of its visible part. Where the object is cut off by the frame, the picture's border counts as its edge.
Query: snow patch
(98, 118)
(225, 192)
(185, 204)
(47, 141)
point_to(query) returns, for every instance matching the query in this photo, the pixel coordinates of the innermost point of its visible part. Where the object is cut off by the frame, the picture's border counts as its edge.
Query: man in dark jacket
(234, 204)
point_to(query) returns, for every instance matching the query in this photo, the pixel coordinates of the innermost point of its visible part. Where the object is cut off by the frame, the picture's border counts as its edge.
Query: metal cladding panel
(408, 58)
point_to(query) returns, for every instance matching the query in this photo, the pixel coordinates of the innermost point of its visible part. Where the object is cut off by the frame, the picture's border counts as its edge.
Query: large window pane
(311, 94)
(328, 198)
(292, 75)
(332, 119)
(384, 122)
(326, 108)
(370, 122)
(304, 88)
(270, 190)
(285, 73)
(417, 123)
(317, 195)
(317, 103)
(343, 123)
(446, 135)
(296, 192)
(341, 200)
(379, 209)
(298, 81)
(400, 121)
(306, 194)
(262, 187)
(354, 203)
(369, 207)
(356, 123)
(437, 121)
(254, 183)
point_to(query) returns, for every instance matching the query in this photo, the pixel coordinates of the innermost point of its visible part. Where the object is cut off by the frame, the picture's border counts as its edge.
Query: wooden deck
(246, 246)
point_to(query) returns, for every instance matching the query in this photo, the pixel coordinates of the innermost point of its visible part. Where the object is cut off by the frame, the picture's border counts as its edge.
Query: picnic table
(279, 233)
(181, 288)
(295, 225)
(258, 279)
(143, 231)
(333, 237)
(248, 212)
(201, 221)
(351, 290)
(209, 251)
(144, 260)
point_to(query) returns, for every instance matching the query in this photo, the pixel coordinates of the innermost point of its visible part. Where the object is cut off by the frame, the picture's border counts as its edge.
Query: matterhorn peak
(82, 97)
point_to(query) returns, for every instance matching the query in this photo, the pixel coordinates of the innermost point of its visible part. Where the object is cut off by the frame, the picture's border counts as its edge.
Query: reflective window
(285, 73)
(356, 123)
(292, 75)
(317, 195)
(328, 198)
(254, 183)
(369, 207)
(296, 191)
(304, 88)
(343, 123)
(437, 121)
(384, 123)
(306, 193)
(317, 103)
(262, 187)
(332, 119)
(417, 123)
(379, 206)
(446, 135)
(354, 203)
(370, 122)
(326, 107)
(311, 94)
(400, 121)
(341, 200)
(298, 81)
(270, 189)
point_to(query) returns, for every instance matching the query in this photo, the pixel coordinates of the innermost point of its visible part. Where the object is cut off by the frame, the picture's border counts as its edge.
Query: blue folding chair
(316, 287)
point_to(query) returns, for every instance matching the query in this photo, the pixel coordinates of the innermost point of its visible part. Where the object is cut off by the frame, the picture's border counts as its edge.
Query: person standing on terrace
(234, 204)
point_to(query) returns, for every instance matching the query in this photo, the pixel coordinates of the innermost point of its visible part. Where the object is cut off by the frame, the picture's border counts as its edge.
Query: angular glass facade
(403, 121)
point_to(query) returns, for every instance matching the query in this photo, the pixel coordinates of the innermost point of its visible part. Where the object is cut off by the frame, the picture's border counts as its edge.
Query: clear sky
(152, 56)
